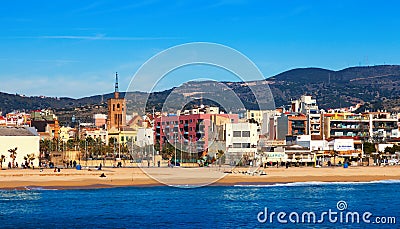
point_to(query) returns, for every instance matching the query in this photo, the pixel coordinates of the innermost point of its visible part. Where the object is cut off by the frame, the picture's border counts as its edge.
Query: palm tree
(220, 157)
(13, 155)
(29, 158)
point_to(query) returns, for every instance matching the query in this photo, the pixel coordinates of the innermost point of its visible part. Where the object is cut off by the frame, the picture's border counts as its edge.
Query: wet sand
(121, 177)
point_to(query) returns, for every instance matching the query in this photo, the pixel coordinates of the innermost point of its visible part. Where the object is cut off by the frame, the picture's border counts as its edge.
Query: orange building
(297, 124)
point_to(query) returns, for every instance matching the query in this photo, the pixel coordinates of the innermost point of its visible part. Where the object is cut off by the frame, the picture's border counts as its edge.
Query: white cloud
(101, 37)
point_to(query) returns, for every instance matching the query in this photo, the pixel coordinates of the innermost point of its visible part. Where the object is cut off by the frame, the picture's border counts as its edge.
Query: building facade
(26, 142)
(241, 142)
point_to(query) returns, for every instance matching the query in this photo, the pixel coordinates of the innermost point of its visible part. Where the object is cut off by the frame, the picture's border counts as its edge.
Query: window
(113, 107)
(245, 145)
(237, 145)
(118, 106)
(236, 134)
(245, 133)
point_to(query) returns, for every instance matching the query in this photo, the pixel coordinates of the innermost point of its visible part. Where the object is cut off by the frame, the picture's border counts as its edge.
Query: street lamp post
(181, 151)
(86, 152)
(154, 159)
(175, 147)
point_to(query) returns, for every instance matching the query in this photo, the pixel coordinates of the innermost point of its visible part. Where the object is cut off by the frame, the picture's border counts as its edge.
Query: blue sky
(72, 48)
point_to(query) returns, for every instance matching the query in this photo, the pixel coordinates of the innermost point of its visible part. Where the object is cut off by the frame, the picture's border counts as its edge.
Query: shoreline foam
(136, 177)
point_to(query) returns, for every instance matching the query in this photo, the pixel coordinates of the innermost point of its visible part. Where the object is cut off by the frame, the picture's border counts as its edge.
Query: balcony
(298, 126)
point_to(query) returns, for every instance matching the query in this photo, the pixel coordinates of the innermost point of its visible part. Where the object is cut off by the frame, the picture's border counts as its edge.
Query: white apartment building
(241, 141)
(25, 139)
(145, 137)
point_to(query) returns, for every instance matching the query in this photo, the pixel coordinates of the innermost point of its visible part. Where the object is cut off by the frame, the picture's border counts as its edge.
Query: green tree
(369, 148)
(168, 151)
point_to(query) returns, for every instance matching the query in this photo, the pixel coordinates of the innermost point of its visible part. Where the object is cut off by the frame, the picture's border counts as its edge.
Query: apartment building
(191, 130)
(241, 142)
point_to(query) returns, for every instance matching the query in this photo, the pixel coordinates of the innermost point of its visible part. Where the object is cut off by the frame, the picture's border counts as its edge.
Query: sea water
(241, 206)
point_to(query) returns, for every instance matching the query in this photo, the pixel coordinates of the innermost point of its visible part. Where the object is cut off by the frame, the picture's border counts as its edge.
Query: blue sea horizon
(240, 206)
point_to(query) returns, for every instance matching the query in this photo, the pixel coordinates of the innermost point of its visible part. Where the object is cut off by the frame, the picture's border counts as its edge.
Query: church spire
(116, 92)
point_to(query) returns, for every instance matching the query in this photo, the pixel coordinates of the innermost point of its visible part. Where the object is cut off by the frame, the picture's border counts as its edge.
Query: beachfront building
(345, 149)
(25, 142)
(191, 130)
(297, 124)
(371, 126)
(346, 124)
(383, 126)
(241, 143)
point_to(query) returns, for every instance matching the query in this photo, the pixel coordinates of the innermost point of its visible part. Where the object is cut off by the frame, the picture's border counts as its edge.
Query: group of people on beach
(24, 165)
(70, 164)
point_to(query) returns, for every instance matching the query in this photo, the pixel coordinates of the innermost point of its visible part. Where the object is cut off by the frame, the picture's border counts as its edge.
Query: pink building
(192, 131)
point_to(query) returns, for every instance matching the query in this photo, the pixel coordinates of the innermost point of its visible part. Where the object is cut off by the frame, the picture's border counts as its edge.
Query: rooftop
(17, 131)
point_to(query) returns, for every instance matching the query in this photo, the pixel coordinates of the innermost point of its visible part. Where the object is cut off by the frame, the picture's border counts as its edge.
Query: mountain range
(376, 87)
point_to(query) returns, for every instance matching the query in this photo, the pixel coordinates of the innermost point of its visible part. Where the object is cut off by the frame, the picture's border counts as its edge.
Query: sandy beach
(119, 177)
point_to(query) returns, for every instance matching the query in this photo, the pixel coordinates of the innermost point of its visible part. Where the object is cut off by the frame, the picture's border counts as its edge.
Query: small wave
(318, 183)
(39, 188)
